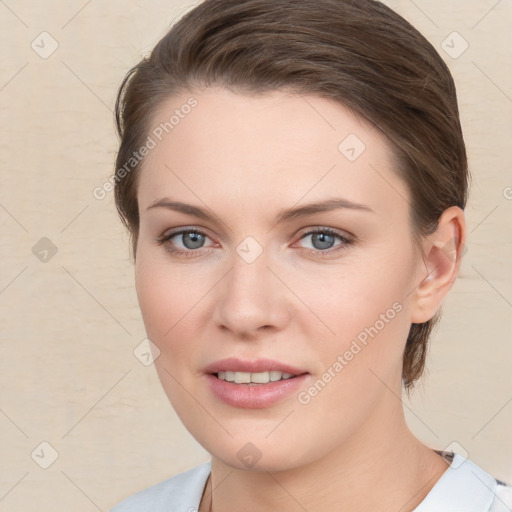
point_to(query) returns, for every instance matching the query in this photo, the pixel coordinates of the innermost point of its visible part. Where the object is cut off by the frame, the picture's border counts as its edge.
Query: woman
(294, 175)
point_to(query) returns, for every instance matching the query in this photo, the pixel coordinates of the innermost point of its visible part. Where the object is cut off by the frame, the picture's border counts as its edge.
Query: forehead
(279, 145)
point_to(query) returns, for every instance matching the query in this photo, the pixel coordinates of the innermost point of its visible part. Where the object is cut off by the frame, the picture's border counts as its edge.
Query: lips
(253, 384)
(255, 366)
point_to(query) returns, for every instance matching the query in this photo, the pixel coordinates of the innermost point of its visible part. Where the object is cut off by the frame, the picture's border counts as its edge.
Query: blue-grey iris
(325, 241)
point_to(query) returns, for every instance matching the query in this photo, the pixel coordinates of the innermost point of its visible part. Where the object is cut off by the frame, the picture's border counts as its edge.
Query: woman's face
(297, 258)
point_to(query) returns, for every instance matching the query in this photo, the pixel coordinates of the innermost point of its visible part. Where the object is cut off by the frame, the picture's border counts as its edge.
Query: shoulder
(502, 498)
(181, 492)
(466, 487)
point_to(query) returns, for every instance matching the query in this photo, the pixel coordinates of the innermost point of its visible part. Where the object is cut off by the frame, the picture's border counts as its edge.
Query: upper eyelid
(180, 231)
(342, 234)
(166, 237)
(303, 231)
(321, 229)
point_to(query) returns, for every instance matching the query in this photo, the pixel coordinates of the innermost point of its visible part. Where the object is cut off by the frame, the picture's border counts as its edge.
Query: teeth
(275, 376)
(260, 378)
(255, 378)
(242, 378)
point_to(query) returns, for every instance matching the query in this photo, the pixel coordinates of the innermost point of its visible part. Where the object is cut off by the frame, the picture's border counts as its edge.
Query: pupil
(196, 240)
(323, 240)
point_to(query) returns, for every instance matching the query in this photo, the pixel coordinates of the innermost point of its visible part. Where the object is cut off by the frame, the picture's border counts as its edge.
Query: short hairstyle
(359, 53)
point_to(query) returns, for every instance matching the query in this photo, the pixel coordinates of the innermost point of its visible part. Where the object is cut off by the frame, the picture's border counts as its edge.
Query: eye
(192, 239)
(323, 241)
(183, 242)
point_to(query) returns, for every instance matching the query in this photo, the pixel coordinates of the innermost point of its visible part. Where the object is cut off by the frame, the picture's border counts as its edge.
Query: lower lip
(254, 396)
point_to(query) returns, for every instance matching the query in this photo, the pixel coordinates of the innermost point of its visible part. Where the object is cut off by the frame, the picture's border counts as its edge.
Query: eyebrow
(285, 215)
(323, 206)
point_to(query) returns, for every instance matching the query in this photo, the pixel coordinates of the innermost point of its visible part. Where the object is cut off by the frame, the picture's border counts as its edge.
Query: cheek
(168, 296)
(367, 309)
(364, 306)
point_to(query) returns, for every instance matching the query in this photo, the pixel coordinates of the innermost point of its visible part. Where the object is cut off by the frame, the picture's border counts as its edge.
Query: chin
(258, 453)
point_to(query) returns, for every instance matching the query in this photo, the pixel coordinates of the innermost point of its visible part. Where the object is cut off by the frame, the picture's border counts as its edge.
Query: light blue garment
(181, 493)
(464, 487)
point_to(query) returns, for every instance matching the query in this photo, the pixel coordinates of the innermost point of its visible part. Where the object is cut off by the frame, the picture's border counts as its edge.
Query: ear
(442, 253)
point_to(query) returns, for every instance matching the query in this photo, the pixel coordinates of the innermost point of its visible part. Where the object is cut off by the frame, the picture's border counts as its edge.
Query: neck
(382, 467)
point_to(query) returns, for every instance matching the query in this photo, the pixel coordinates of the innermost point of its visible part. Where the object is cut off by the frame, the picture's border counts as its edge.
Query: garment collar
(463, 487)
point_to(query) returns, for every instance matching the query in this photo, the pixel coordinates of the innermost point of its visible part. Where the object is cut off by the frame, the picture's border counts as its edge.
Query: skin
(244, 158)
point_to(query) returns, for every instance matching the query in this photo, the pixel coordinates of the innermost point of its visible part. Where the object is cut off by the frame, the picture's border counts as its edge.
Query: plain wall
(69, 321)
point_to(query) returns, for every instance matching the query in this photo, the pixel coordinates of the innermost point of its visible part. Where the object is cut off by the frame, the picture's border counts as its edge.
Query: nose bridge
(251, 297)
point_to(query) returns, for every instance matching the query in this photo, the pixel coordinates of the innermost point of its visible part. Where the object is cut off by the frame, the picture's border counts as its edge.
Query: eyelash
(345, 241)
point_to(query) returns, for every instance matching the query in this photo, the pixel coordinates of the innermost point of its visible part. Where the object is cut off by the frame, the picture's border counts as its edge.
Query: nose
(251, 300)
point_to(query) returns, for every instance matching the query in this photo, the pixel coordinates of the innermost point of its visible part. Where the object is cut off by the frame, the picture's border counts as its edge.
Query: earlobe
(443, 251)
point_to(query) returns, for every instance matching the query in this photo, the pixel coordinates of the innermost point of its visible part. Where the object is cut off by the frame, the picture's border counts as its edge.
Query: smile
(253, 384)
(254, 378)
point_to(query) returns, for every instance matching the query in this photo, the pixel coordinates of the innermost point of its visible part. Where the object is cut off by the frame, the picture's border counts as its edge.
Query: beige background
(69, 326)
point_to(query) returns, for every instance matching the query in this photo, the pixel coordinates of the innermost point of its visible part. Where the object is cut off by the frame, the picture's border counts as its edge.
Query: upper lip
(232, 364)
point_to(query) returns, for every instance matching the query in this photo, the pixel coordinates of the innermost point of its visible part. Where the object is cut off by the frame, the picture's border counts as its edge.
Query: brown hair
(357, 52)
